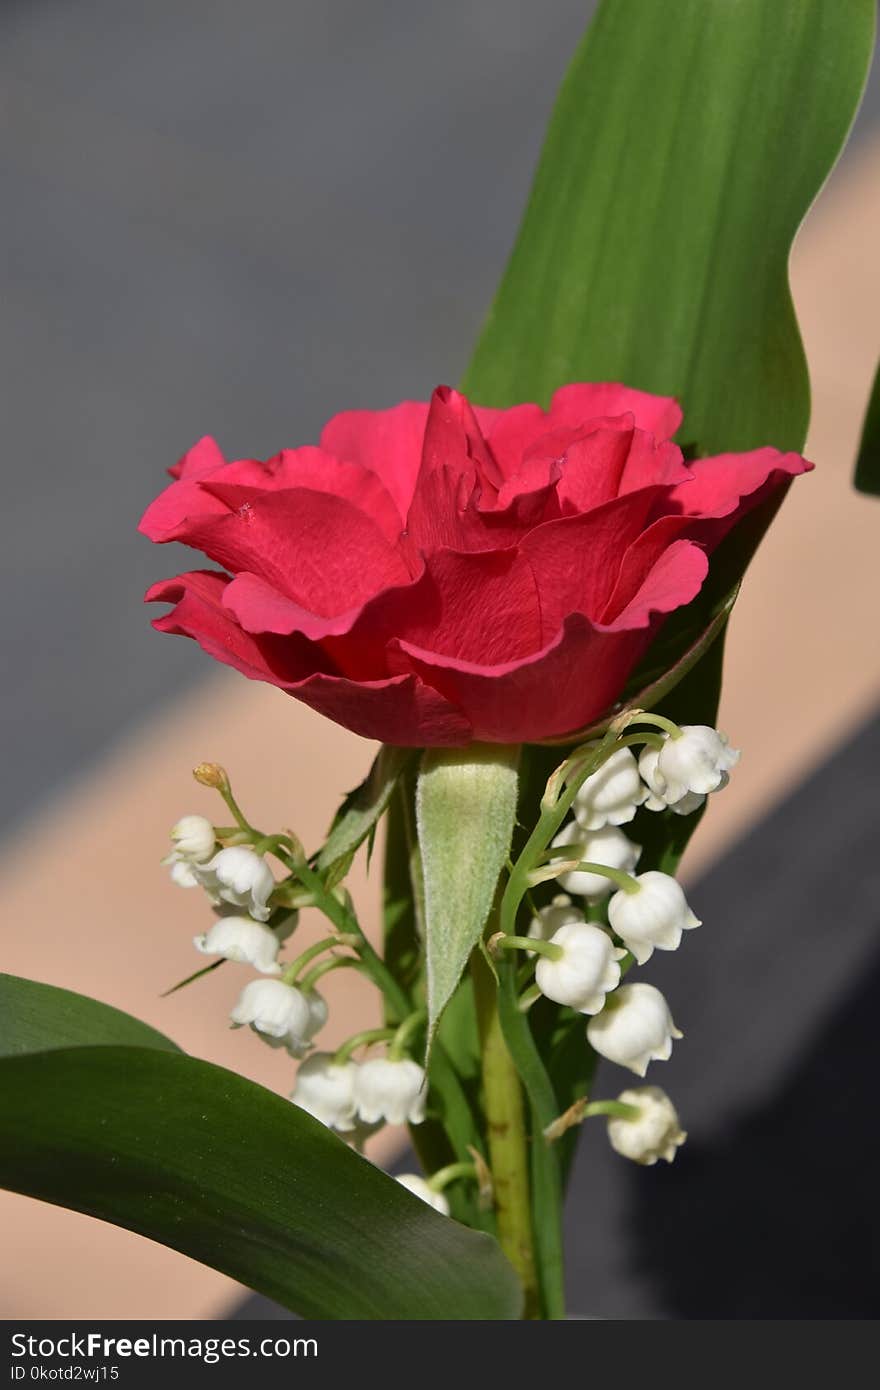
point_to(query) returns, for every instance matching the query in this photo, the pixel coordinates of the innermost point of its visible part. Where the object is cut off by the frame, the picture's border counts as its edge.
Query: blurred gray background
(233, 219)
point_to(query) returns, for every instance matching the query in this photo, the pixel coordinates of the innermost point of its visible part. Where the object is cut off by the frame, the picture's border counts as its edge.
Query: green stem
(617, 1108)
(298, 965)
(401, 1038)
(634, 740)
(527, 943)
(362, 1039)
(555, 805)
(667, 725)
(507, 1143)
(324, 967)
(339, 915)
(451, 1173)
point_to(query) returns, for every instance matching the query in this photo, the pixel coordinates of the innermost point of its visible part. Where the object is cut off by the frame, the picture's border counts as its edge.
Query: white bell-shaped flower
(419, 1187)
(390, 1089)
(612, 795)
(283, 1015)
(699, 759)
(193, 839)
(585, 972)
(184, 874)
(239, 876)
(325, 1088)
(608, 846)
(652, 917)
(558, 913)
(634, 1028)
(656, 1133)
(242, 939)
(659, 798)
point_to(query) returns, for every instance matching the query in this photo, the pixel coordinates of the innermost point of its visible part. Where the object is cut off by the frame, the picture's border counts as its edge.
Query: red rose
(434, 574)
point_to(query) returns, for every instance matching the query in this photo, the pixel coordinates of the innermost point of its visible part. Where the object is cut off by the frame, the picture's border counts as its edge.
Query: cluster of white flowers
(629, 1024)
(239, 883)
(352, 1098)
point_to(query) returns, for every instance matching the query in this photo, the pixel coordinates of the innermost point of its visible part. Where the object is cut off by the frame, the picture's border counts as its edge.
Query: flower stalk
(506, 1137)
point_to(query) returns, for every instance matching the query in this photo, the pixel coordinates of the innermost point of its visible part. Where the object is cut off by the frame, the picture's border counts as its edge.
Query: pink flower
(438, 573)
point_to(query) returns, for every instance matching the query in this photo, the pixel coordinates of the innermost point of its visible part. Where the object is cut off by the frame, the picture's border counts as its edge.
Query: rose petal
(388, 442)
(399, 709)
(721, 494)
(204, 457)
(575, 678)
(199, 613)
(576, 558)
(317, 549)
(572, 405)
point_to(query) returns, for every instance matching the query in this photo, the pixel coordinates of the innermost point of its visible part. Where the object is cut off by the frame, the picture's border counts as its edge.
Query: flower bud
(193, 838)
(390, 1089)
(699, 760)
(559, 913)
(585, 972)
(416, 1184)
(612, 795)
(241, 939)
(325, 1088)
(607, 846)
(634, 1028)
(654, 916)
(283, 1015)
(211, 775)
(659, 799)
(239, 876)
(656, 1133)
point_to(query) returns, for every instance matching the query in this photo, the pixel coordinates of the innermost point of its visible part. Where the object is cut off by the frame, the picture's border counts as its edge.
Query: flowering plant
(521, 593)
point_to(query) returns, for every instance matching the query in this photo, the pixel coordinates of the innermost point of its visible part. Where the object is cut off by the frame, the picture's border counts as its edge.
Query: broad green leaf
(35, 1017)
(867, 477)
(362, 808)
(465, 813)
(688, 140)
(206, 1162)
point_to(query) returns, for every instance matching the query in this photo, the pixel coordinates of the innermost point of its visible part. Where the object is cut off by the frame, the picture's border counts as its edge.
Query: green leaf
(35, 1017)
(687, 143)
(867, 477)
(465, 813)
(206, 1162)
(362, 808)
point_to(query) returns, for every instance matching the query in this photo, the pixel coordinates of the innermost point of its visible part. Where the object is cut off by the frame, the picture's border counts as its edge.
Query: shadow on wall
(780, 1218)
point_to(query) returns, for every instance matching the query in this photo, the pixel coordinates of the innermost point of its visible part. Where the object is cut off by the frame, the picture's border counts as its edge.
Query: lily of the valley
(608, 846)
(193, 839)
(241, 877)
(651, 915)
(654, 1133)
(390, 1089)
(634, 1029)
(325, 1088)
(585, 970)
(558, 913)
(612, 795)
(697, 759)
(662, 797)
(282, 1014)
(242, 939)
